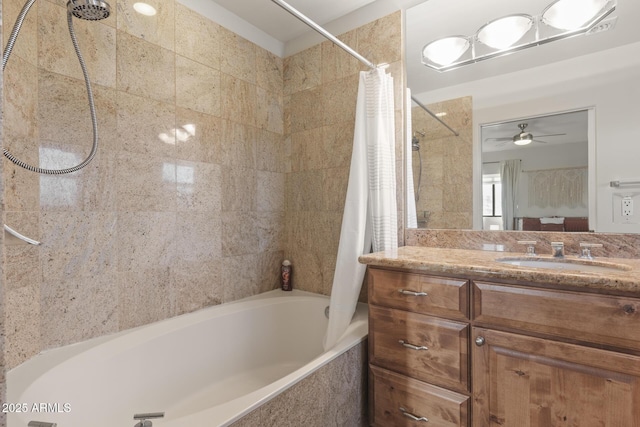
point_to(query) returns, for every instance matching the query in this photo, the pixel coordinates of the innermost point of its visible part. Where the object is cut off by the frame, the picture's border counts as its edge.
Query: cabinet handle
(412, 293)
(480, 341)
(412, 347)
(413, 417)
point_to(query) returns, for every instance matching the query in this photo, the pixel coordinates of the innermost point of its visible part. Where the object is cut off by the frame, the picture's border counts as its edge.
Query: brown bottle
(285, 275)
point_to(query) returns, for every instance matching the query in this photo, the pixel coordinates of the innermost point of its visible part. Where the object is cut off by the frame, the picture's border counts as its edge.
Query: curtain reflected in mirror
(535, 173)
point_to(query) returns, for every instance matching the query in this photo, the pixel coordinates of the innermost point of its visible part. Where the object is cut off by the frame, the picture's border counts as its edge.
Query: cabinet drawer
(396, 398)
(420, 293)
(424, 347)
(598, 319)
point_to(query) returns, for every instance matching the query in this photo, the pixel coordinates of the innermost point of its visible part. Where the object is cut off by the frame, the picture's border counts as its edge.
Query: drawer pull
(413, 347)
(413, 417)
(480, 341)
(412, 293)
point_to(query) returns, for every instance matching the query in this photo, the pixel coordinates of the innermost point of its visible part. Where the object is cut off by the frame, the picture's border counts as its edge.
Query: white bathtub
(207, 368)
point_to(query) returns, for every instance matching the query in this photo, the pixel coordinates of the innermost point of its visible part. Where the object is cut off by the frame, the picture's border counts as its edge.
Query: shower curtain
(410, 192)
(370, 213)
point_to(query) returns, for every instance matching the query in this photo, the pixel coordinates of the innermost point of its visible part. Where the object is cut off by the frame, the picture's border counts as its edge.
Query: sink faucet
(557, 249)
(586, 249)
(531, 246)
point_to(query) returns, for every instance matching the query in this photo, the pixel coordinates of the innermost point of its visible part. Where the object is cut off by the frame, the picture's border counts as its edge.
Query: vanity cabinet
(466, 352)
(418, 349)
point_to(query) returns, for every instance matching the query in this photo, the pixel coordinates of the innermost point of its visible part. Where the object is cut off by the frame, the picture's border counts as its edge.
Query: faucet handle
(531, 246)
(585, 249)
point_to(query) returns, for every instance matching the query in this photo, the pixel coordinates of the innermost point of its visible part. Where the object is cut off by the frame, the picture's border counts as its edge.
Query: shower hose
(5, 58)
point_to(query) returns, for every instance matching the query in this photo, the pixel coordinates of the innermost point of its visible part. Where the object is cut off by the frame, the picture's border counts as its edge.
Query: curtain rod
(433, 115)
(286, 6)
(325, 33)
(556, 169)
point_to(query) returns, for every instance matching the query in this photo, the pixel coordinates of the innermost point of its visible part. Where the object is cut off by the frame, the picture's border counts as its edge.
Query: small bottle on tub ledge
(285, 275)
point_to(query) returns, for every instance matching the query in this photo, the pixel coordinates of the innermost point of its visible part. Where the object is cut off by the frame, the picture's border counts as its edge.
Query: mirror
(592, 73)
(535, 173)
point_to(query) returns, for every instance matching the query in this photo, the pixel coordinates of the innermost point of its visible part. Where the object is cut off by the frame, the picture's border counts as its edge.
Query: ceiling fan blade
(502, 143)
(552, 134)
(509, 138)
(537, 140)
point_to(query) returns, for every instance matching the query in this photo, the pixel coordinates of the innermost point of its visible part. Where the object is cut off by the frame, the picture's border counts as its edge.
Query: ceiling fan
(523, 138)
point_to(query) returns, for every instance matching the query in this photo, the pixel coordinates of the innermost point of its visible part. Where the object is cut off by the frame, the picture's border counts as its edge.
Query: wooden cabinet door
(521, 381)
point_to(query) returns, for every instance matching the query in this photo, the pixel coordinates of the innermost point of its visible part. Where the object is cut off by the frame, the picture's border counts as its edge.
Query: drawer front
(420, 293)
(397, 400)
(598, 319)
(424, 347)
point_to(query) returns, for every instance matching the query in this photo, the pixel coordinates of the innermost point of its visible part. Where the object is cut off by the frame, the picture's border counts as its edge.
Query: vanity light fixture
(560, 20)
(144, 9)
(502, 33)
(446, 50)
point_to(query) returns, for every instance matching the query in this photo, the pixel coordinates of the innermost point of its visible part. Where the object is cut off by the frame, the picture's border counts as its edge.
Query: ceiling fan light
(523, 139)
(572, 14)
(504, 32)
(446, 50)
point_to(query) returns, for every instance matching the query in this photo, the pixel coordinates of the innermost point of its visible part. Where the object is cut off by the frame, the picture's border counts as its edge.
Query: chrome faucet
(557, 249)
(585, 249)
(531, 246)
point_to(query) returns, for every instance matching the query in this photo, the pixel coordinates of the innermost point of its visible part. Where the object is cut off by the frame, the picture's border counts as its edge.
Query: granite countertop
(480, 264)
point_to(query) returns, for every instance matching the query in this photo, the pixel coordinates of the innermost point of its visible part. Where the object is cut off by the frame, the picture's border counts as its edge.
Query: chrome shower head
(91, 10)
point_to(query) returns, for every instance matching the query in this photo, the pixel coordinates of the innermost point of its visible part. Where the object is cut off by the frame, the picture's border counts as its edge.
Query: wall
(182, 208)
(320, 86)
(446, 184)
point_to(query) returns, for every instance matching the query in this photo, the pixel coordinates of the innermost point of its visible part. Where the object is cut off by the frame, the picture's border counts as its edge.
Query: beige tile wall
(447, 181)
(166, 220)
(3, 390)
(320, 87)
(182, 208)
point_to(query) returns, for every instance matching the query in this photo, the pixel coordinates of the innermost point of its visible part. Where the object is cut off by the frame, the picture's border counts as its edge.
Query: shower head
(91, 10)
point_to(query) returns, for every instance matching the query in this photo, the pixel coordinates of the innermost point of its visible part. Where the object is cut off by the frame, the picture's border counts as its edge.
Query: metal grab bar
(617, 184)
(14, 233)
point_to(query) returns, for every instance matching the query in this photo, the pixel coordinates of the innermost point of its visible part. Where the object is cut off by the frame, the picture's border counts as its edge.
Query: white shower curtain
(370, 212)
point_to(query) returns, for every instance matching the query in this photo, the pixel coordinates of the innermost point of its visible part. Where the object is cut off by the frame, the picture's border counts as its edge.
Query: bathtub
(207, 368)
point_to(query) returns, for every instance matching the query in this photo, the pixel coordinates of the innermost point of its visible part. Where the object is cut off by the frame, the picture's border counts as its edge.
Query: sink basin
(565, 264)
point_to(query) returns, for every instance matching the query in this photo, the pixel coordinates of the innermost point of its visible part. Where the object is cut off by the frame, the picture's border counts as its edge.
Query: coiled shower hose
(94, 120)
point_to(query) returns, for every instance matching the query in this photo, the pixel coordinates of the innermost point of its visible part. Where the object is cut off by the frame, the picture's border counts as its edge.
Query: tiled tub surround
(217, 364)
(320, 86)
(183, 206)
(166, 221)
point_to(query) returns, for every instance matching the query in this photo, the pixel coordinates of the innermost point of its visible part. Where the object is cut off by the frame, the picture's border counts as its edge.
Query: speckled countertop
(478, 264)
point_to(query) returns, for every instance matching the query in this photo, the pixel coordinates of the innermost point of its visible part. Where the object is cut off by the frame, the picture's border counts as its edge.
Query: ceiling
(276, 22)
(427, 20)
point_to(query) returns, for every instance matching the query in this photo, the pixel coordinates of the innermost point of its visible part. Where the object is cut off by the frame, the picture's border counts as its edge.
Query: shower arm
(5, 58)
